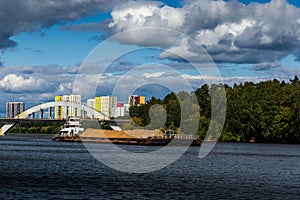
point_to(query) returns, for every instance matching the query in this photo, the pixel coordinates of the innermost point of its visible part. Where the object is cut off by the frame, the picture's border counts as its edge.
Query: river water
(34, 167)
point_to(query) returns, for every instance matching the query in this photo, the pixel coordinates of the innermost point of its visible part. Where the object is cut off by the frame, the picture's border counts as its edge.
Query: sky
(98, 47)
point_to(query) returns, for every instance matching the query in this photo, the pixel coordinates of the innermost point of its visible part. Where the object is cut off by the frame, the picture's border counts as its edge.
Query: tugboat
(70, 131)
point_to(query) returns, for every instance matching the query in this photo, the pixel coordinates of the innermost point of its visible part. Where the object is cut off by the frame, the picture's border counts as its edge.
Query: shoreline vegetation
(37, 128)
(264, 112)
(32, 134)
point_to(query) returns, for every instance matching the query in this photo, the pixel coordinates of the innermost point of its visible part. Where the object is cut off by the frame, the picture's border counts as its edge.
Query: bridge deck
(16, 120)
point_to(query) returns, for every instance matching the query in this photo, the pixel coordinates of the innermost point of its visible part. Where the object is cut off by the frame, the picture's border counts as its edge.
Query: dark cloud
(27, 71)
(297, 55)
(209, 14)
(92, 26)
(31, 15)
(249, 56)
(266, 66)
(123, 62)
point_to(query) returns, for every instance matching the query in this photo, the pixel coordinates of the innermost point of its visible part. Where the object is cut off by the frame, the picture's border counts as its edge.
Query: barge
(73, 132)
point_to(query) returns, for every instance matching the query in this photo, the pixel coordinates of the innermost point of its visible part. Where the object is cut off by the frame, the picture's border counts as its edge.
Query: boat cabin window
(74, 119)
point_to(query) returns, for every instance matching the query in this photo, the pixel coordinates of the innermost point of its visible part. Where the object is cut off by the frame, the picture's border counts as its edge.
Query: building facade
(120, 110)
(109, 104)
(104, 104)
(13, 109)
(58, 113)
(67, 111)
(90, 103)
(135, 100)
(98, 104)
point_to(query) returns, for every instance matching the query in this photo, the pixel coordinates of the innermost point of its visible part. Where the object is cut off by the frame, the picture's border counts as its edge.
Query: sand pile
(140, 133)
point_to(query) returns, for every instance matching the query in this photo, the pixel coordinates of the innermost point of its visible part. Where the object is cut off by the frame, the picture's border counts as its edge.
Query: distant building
(58, 110)
(109, 104)
(90, 103)
(13, 109)
(98, 104)
(135, 100)
(67, 111)
(120, 110)
(106, 105)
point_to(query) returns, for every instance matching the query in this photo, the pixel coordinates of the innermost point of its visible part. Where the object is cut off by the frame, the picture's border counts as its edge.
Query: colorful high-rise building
(58, 110)
(142, 100)
(106, 105)
(67, 111)
(98, 104)
(135, 100)
(13, 109)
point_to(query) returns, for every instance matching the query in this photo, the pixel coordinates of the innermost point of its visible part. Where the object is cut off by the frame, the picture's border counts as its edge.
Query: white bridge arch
(48, 105)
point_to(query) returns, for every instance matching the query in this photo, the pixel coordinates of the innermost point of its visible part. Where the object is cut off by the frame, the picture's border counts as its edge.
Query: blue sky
(41, 50)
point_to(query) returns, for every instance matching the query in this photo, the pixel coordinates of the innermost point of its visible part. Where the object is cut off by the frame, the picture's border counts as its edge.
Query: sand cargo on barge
(128, 137)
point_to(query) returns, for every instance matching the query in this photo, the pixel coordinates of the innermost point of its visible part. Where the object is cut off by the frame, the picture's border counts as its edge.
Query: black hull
(132, 141)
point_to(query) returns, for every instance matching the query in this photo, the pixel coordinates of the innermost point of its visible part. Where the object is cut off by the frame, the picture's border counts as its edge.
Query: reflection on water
(34, 167)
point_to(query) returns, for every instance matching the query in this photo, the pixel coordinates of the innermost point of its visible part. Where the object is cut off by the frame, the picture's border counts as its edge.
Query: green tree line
(268, 111)
(37, 128)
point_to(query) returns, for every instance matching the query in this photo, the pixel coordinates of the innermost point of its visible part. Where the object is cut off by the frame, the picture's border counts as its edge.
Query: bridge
(18, 120)
(9, 123)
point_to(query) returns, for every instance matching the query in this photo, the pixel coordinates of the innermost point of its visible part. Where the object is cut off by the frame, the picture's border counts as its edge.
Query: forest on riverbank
(267, 111)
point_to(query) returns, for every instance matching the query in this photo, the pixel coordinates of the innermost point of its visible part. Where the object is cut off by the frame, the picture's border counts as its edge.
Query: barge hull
(131, 141)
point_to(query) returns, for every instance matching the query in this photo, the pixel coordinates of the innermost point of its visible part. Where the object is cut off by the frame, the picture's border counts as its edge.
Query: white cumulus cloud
(228, 31)
(153, 75)
(18, 83)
